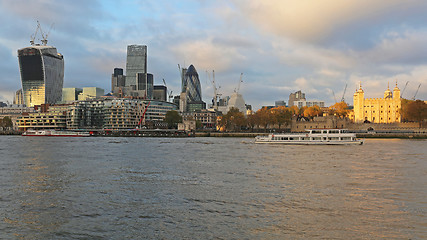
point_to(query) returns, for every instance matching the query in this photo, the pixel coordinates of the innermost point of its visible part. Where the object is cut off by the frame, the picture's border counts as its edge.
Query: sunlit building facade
(377, 110)
(42, 75)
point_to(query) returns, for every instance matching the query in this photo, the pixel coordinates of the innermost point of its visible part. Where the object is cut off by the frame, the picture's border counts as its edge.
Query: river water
(210, 188)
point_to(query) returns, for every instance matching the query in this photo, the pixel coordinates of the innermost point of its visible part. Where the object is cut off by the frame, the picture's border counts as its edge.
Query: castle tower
(358, 103)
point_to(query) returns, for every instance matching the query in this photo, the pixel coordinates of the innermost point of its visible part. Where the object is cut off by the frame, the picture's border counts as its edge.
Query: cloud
(206, 54)
(313, 21)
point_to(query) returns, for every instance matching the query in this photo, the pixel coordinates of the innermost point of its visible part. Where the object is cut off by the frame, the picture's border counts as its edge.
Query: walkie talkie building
(42, 75)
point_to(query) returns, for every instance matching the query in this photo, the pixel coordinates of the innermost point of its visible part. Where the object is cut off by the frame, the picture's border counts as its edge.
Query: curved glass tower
(192, 85)
(42, 75)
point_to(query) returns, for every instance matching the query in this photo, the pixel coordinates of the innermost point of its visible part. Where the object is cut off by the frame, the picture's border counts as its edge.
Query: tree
(414, 111)
(283, 115)
(172, 118)
(313, 111)
(233, 120)
(340, 109)
(252, 120)
(6, 122)
(265, 117)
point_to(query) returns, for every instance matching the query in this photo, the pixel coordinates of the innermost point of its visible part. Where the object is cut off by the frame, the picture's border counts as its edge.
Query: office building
(191, 95)
(296, 96)
(280, 103)
(304, 103)
(136, 62)
(70, 95)
(160, 93)
(18, 99)
(118, 82)
(90, 93)
(42, 74)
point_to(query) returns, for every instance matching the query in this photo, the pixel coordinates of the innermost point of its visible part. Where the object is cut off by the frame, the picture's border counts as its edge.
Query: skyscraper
(136, 62)
(42, 74)
(191, 95)
(192, 85)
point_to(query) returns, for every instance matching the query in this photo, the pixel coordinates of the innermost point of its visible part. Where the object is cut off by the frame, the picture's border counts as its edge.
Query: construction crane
(143, 115)
(416, 92)
(44, 36)
(238, 85)
(216, 94)
(401, 95)
(343, 95)
(168, 94)
(333, 93)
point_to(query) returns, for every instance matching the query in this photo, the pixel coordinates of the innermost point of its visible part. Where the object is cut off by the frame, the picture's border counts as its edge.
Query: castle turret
(396, 92)
(387, 93)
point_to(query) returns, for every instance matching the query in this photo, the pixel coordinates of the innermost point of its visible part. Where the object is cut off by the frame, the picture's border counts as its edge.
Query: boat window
(334, 138)
(317, 138)
(291, 138)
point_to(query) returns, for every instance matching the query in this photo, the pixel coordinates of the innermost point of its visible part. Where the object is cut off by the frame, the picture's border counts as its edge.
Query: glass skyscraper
(136, 62)
(192, 85)
(42, 75)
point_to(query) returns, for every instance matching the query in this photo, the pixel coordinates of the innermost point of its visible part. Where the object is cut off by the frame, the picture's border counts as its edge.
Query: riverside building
(377, 110)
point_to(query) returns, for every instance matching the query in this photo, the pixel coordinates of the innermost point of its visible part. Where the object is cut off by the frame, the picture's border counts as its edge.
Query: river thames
(210, 188)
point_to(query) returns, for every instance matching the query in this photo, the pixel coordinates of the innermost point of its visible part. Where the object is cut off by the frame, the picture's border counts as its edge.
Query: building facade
(191, 95)
(55, 119)
(118, 82)
(304, 103)
(70, 95)
(296, 96)
(160, 93)
(377, 110)
(90, 93)
(136, 62)
(42, 75)
(18, 99)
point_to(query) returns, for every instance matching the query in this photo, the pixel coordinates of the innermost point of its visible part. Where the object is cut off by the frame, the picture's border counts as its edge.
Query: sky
(280, 46)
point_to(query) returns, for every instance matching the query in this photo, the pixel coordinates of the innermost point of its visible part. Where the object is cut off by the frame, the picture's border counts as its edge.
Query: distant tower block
(136, 62)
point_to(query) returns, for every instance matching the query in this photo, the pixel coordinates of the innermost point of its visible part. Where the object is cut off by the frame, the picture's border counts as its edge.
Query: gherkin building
(192, 85)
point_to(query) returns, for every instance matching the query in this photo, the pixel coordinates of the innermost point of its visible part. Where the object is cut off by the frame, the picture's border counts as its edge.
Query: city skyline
(317, 48)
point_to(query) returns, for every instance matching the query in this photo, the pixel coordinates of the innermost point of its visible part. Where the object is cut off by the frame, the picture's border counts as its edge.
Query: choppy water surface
(210, 188)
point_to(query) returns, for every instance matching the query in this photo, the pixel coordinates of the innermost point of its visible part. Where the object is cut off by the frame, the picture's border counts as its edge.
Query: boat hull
(358, 142)
(52, 133)
(312, 137)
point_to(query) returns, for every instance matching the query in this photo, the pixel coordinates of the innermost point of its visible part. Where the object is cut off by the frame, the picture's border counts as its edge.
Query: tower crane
(416, 92)
(216, 94)
(333, 93)
(401, 95)
(168, 94)
(44, 36)
(343, 95)
(238, 85)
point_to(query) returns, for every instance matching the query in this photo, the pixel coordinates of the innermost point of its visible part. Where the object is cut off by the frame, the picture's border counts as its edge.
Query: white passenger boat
(54, 133)
(312, 137)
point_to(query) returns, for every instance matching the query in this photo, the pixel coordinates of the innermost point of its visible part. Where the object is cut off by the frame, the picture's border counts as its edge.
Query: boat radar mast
(43, 35)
